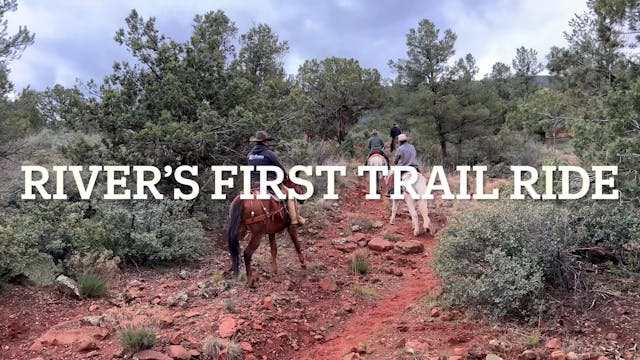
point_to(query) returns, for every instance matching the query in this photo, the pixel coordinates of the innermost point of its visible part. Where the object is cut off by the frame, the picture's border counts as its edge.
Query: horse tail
(232, 235)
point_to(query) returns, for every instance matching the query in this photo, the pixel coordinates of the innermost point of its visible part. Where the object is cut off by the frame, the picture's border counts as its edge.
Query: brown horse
(259, 217)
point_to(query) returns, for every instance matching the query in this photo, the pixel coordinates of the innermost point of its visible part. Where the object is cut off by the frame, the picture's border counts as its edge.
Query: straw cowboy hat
(260, 137)
(402, 137)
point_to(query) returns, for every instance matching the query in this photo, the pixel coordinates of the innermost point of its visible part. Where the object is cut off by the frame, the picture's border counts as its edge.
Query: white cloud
(494, 32)
(74, 38)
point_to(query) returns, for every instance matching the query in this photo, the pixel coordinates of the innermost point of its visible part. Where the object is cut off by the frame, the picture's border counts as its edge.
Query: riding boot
(296, 219)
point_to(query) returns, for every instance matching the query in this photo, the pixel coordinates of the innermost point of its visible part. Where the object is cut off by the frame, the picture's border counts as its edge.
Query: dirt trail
(385, 313)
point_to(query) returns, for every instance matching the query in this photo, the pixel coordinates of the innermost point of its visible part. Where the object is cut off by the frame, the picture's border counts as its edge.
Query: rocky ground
(324, 312)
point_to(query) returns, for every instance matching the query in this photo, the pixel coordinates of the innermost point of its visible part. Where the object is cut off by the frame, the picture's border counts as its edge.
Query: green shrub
(92, 285)
(234, 350)
(359, 264)
(212, 347)
(499, 256)
(147, 233)
(138, 338)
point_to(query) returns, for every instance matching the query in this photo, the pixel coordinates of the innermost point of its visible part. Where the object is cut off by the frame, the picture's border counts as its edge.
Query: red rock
(194, 353)
(529, 355)
(151, 355)
(380, 244)
(572, 356)
(246, 347)
(267, 303)
(156, 300)
(461, 351)
(93, 308)
(93, 353)
(257, 326)
(86, 345)
(409, 247)
(558, 355)
(328, 284)
(228, 327)
(357, 237)
(193, 313)
(70, 336)
(318, 337)
(554, 343)
(175, 339)
(435, 312)
(178, 352)
(347, 247)
(455, 357)
(282, 335)
(352, 356)
(167, 321)
(250, 357)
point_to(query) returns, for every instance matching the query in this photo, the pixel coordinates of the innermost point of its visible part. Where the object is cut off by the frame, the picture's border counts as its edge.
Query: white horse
(377, 160)
(421, 188)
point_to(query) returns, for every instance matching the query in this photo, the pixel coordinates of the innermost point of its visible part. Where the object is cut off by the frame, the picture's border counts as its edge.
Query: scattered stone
(572, 356)
(612, 336)
(554, 343)
(380, 244)
(435, 312)
(529, 355)
(267, 303)
(246, 347)
(328, 284)
(413, 346)
(461, 351)
(93, 308)
(86, 345)
(93, 320)
(134, 283)
(493, 357)
(409, 247)
(68, 286)
(176, 339)
(195, 353)
(184, 274)
(356, 227)
(193, 313)
(178, 300)
(347, 247)
(352, 356)
(282, 335)
(150, 355)
(228, 327)
(318, 337)
(178, 352)
(558, 355)
(377, 224)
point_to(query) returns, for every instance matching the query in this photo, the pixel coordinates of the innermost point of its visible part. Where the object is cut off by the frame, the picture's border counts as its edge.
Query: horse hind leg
(424, 211)
(254, 243)
(274, 253)
(293, 234)
(415, 220)
(394, 210)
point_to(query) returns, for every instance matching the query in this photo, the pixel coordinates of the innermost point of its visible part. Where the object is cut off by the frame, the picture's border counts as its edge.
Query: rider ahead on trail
(261, 155)
(405, 156)
(376, 146)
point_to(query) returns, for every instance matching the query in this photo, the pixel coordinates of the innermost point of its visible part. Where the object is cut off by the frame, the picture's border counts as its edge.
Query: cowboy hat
(402, 137)
(260, 137)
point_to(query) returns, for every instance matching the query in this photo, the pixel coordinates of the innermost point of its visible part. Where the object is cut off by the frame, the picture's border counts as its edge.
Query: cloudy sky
(74, 38)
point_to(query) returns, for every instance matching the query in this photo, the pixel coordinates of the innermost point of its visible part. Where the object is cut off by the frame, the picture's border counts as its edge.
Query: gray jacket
(375, 143)
(406, 155)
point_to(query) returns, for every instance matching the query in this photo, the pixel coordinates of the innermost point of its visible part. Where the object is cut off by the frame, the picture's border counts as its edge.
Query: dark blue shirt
(260, 155)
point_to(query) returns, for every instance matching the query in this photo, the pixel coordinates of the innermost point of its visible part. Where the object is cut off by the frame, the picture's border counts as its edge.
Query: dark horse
(259, 217)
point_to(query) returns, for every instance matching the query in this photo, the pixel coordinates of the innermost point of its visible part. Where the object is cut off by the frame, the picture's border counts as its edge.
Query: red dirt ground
(385, 314)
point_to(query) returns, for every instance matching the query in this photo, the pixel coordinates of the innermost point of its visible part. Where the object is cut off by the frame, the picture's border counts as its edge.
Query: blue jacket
(260, 155)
